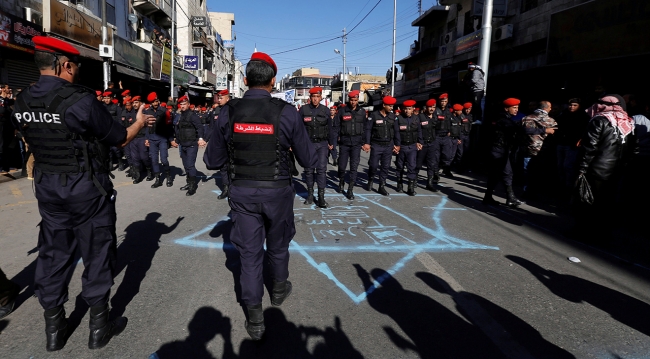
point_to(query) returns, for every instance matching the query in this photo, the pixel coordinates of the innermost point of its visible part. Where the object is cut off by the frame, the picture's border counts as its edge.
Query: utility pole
(106, 64)
(173, 42)
(486, 39)
(345, 73)
(392, 83)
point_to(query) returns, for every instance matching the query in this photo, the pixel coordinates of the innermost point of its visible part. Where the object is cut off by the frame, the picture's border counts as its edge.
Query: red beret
(183, 99)
(260, 56)
(107, 94)
(417, 109)
(98, 93)
(135, 98)
(342, 105)
(169, 107)
(192, 106)
(146, 105)
(509, 102)
(223, 93)
(115, 101)
(458, 107)
(389, 100)
(444, 95)
(431, 102)
(409, 103)
(398, 111)
(55, 46)
(178, 106)
(163, 104)
(203, 108)
(152, 97)
(127, 100)
(354, 93)
(467, 105)
(126, 92)
(314, 90)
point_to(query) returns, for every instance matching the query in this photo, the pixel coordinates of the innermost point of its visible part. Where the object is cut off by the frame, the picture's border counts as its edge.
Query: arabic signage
(228, 44)
(199, 21)
(131, 55)
(432, 78)
(468, 42)
(16, 33)
(499, 8)
(73, 24)
(599, 30)
(191, 63)
(221, 82)
(166, 65)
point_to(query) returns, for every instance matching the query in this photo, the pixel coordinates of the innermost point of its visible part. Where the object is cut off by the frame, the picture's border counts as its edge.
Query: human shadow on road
(518, 330)
(3, 324)
(135, 255)
(622, 307)
(25, 280)
(205, 326)
(432, 330)
(233, 264)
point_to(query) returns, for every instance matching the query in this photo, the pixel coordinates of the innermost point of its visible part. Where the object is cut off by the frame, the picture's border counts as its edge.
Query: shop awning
(131, 72)
(202, 88)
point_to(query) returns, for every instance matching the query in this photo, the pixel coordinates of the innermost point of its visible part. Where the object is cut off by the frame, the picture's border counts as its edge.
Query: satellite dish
(133, 18)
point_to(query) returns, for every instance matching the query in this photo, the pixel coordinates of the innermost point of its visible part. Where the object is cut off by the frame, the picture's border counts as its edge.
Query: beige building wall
(222, 23)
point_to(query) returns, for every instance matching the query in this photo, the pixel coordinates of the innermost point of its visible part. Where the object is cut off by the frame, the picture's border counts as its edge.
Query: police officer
(348, 127)
(444, 101)
(114, 110)
(442, 144)
(502, 134)
(158, 137)
(140, 149)
(455, 131)
(189, 134)
(380, 131)
(409, 142)
(254, 135)
(428, 122)
(318, 124)
(223, 97)
(127, 118)
(69, 133)
(465, 132)
(333, 152)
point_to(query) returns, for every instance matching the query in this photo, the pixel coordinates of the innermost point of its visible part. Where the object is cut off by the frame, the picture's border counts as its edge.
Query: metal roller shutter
(21, 73)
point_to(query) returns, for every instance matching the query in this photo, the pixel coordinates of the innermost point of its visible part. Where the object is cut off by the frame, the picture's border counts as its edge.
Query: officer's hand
(146, 143)
(396, 149)
(550, 131)
(174, 144)
(418, 146)
(459, 142)
(330, 146)
(202, 143)
(366, 148)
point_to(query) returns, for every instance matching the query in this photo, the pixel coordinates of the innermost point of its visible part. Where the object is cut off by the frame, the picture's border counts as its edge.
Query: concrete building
(304, 79)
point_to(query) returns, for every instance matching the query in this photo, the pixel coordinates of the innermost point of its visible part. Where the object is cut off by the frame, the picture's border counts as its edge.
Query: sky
(279, 27)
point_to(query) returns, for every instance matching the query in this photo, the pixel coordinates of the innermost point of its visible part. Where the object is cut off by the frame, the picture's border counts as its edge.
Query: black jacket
(601, 149)
(571, 127)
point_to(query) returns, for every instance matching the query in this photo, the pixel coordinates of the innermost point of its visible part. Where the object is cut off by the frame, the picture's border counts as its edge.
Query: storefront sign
(499, 9)
(191, 63)
(468, 42)
(156, 62)
(16, 33)
(228, 44)
(73, 24)
(131, 55)
(432, 78)
(221, 83)
(182, 77)
(166, 66)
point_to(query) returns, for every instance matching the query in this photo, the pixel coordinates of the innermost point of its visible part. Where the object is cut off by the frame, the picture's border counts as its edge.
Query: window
(110, 14)
(530, 4)
(468, 27)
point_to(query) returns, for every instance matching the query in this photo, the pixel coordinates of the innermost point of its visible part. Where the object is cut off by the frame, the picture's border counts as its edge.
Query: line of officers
(437, 137)
(187, 128)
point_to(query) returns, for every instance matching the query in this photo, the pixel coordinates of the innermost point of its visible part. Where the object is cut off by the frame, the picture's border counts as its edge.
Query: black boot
(281, 291)
(135, 174)
(436, 177)
(170, 179)
(321, 198)
(9, 297)
(371, 178)
(129, 171)
(187, 184)
(150, 175)
(487, 199)
(382, 188)
(225, 192)
(310, 196)
(430, 186)
(447, 172)
(400, 181)
(411, 188)
(101, 329)
(511, 200)
(350, 193)
(121, 166)
(341, 182)
(193, 186)
(56, 328)
(158, 182)
(255, 323)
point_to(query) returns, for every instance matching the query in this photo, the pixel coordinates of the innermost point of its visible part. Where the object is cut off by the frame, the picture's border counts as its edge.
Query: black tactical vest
(467, 124)
(315, 121)
(160, 126)
(57, 150)
(382, 131)
(128, 115)
(112, 109)
(256, 157)
(456, 125)
(428, 127)
(443, 125)
(352, 122)
(408, 132)
(204, 118)
(186, 130)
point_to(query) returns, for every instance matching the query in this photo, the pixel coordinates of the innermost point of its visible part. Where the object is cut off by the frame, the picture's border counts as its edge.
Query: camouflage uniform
(534, 133)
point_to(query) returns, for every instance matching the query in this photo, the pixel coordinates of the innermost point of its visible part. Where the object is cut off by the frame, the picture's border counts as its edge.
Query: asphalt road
(437, 275)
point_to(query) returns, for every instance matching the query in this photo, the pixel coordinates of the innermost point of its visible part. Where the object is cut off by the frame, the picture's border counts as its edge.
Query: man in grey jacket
(475, 82)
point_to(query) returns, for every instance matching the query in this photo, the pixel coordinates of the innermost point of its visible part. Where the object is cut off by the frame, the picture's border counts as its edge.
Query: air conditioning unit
(32, 15)
(446, 38)
(503, 32)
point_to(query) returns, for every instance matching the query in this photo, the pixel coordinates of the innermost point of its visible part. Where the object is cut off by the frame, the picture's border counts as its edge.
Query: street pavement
(437, 275)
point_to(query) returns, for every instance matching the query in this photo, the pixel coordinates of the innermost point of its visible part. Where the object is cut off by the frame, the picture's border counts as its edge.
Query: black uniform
(159, 136)
(348, 128)
(465, 132)
(188, 132)
(69, 132)
(455, 132)
(442, 144)
(116, 152)
(127, 118)
(253, 136)
(380, 132)
(428, 151)
(502, 134)
(318, 123)
(410, 134)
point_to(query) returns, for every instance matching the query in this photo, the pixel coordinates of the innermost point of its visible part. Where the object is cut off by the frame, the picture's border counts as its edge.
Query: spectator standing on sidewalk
(572, 123)
(535, 128)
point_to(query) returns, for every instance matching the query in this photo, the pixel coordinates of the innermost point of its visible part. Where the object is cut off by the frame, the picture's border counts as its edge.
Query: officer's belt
(317, 140)
(380, 143)
(281, 183)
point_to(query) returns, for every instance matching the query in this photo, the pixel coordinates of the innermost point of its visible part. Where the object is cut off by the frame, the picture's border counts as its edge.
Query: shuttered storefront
(21, 73)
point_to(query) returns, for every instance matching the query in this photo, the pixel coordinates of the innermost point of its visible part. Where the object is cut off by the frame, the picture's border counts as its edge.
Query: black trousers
(353, 153)
(88, 226)
(407, 157)
(188, 155)
(426, 155)
(379, 160)
(322, 151)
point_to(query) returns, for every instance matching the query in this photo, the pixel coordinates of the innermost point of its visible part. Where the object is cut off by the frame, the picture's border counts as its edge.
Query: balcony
(159, 10)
